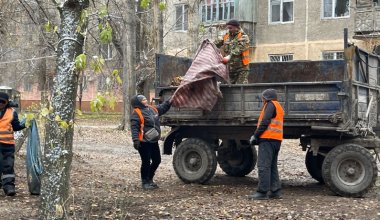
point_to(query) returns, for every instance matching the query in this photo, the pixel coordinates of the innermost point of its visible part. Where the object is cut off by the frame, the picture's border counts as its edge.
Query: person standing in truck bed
(235, 48)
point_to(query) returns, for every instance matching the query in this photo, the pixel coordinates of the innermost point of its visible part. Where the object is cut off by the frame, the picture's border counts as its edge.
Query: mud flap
(169, 140)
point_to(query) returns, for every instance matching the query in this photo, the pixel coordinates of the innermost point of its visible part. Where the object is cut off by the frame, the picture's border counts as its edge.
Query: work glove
(136, 145)
(253, 140)
(226, 59)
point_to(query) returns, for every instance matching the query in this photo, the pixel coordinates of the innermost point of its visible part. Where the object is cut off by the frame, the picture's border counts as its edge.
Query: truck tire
(314, 166)
(237, 163)
(349, 170)
(194, 161)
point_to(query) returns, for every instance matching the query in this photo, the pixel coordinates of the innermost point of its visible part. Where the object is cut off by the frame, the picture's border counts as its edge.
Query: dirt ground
(105, 185)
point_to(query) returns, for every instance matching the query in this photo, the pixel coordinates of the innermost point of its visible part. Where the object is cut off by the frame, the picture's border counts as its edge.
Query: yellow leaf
(118, 80)
(79, 112)
(58, 211)
(44, 112)
(63, 124)
(58, 118)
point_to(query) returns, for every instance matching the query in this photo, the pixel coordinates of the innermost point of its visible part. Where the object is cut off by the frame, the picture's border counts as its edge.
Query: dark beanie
(4, 96)
(233, 23)
(269, 94)
(140, 97)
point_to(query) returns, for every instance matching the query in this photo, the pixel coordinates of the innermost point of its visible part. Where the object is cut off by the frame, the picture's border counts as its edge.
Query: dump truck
(331, 107)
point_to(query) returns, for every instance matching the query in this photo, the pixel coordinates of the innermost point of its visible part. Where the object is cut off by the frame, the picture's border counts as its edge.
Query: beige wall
(306, 37)
(175, 42)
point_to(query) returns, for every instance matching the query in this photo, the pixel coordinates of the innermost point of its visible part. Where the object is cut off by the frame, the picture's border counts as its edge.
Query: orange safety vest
(244, 54)
(275, 127)
(6, 129)
(142, 121)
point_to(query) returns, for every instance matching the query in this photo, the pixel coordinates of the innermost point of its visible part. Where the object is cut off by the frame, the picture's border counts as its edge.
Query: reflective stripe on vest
(6, 129)
(244, 54)
(142, 121)
(275, 127)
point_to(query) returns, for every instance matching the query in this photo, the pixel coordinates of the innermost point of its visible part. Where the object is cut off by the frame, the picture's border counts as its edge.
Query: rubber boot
(153, 183)
(275, 195)
(258, 196)
(9, 190)
(146, 185)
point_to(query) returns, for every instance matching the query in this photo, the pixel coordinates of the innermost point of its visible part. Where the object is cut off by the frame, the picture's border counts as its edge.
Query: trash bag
(33, 160)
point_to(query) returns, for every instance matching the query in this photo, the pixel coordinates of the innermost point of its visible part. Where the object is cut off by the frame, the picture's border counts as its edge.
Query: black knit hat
(4, 96)
(233, 23)
(140, 97)
(269, 94)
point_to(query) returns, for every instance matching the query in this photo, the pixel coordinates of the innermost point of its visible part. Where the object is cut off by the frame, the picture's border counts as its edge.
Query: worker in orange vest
(235, 48)
(8, 124)
(268, 135)
(146, 131)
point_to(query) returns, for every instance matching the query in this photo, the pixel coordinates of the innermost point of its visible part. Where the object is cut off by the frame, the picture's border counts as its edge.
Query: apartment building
(280, 30)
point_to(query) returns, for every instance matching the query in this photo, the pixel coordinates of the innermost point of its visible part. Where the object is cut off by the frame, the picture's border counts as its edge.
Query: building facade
(280, 30)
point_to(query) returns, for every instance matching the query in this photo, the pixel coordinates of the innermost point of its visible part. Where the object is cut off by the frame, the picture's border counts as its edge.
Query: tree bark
(42, 74)
(194, 21)
(158, 27)
(59, 141)
(129, 62)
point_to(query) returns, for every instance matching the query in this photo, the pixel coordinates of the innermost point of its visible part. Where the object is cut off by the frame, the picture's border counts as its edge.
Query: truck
(331, 107)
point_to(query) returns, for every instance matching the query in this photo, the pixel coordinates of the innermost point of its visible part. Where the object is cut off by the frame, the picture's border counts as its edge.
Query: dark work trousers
(7, 160)
(150, 160)
(267, 165)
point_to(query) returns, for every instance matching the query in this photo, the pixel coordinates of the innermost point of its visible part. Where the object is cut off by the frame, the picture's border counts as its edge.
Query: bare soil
(105, 184)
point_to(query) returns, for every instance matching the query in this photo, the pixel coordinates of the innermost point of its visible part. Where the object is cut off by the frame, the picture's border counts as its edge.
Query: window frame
(335, 54)
(182, 29)
(204, 5)
(27, 84)
(281, 13)
(281, 56)
(333, 8)
(108, 52)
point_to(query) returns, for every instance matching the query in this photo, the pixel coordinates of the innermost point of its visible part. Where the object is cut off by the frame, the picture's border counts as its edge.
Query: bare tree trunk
(42, 74)
(129, 61)
(194, 27)
(80, 94)
(59, 140)
(158, 27)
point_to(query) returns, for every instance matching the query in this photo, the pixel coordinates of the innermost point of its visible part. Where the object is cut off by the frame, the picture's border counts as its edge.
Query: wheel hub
(193, 161)
(350, 171)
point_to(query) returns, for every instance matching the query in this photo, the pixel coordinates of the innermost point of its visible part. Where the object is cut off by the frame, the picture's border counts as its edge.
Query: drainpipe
(306, 30)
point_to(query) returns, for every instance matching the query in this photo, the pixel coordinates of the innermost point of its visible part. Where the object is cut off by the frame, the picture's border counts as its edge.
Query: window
(336, 8)
(281, 11)
(332, 55)
(106, 51)
(181, 17)
(280, 57)
(217, 10)
(376, 2)
(28, 85)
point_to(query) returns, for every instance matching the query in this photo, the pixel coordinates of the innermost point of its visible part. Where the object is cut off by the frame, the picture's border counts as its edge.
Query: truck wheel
(236, 162)
(349, 170)
(194, 161)
(314, 166)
